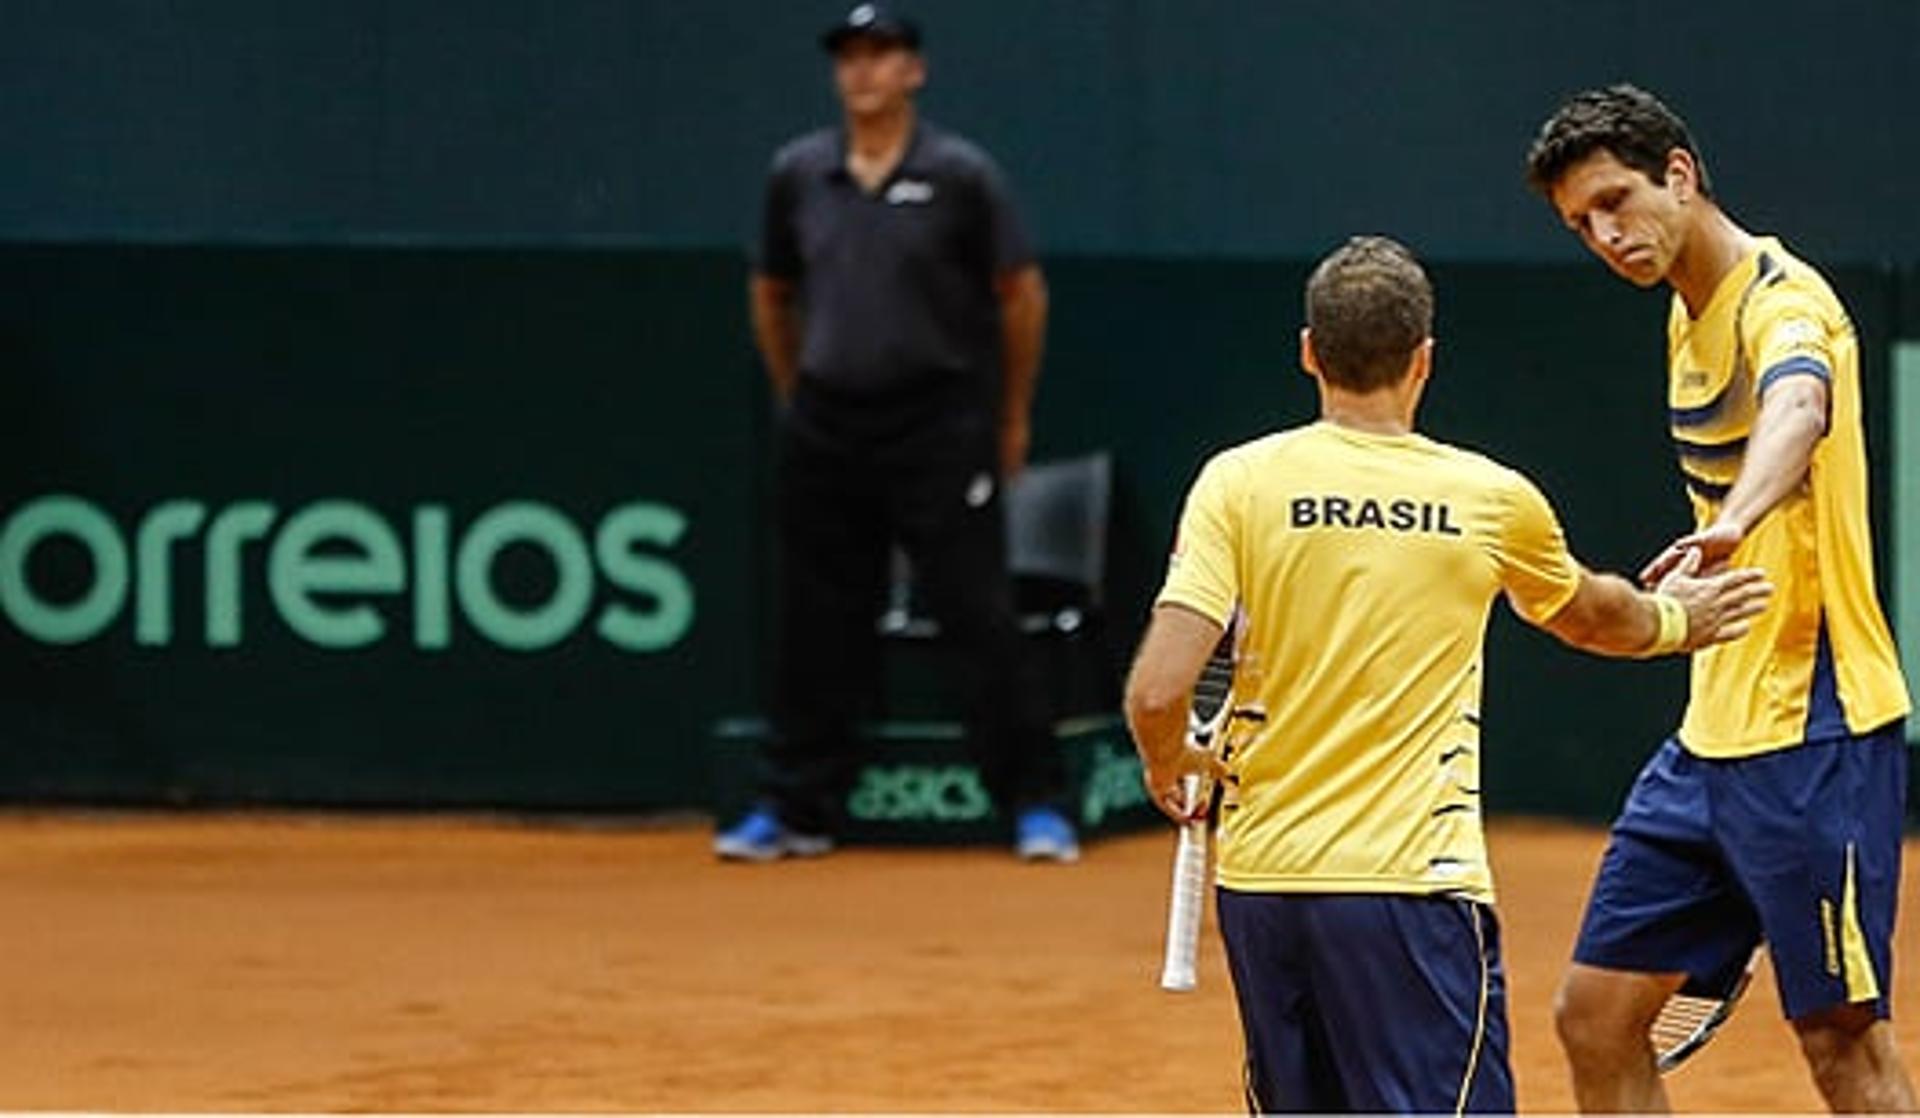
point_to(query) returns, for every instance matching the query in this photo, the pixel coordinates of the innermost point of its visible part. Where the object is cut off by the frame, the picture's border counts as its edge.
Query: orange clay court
(273, 963)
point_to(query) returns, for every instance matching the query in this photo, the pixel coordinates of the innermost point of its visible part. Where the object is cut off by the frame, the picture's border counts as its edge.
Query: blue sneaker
(761, 837)
(1042, 834)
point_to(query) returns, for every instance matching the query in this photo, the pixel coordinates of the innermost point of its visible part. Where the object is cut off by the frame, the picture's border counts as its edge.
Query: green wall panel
(485, 415)
(455, 428)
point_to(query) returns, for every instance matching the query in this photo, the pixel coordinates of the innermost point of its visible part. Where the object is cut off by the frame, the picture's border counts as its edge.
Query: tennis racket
(1207, 719)
(1688, 1021)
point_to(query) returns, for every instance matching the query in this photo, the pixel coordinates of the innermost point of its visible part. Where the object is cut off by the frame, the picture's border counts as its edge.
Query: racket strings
(1210, 691)
(1682, 1018)
(1683, 1026)
(1687, 1021)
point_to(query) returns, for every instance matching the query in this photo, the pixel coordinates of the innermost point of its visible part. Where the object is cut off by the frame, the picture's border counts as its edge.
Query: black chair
(1057, 514)
(1056, 551)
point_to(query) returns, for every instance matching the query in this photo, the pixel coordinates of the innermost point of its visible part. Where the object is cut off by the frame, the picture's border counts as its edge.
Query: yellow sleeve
(1536, 569)
(1789, 332)
(1202, 574)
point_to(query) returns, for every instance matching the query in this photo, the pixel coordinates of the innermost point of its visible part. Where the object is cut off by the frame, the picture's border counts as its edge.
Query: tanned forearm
(1023, 327)
(1607, 616)
(776, 331)
(1159, 687)
(1689, 610)
(1160, 684)
(1792, 419)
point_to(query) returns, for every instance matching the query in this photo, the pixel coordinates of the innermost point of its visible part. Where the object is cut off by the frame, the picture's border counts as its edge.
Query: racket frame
(1207, 719)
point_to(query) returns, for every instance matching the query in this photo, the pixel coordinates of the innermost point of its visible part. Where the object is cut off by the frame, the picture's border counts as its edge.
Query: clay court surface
(165, 963)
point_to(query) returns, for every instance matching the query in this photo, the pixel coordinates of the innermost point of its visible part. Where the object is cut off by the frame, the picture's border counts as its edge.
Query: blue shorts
(1799, 847)
(1369, 1002)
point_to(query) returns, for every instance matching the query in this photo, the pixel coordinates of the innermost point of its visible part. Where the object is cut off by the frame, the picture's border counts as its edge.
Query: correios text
(328, 563)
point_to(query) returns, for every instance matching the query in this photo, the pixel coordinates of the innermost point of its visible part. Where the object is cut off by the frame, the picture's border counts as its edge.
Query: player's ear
(1309, 363)
(1420, 366)
(1683, 176)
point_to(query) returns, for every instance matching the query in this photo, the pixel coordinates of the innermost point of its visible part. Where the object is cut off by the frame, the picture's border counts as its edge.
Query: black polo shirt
(895, 287)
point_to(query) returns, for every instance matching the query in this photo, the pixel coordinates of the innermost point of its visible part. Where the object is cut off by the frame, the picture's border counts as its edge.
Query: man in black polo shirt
(900, 313)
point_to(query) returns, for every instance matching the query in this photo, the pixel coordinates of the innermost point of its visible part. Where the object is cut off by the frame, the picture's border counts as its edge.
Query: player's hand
(1016, 435)
(1720, 606)
(1715, 543)
(1166, 782)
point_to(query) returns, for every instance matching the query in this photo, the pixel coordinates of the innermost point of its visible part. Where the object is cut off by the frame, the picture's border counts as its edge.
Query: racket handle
(1183, 910)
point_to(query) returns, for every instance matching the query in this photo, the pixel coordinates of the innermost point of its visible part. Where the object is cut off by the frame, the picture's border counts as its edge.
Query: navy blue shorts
(1369, 1002)
(1799, 847)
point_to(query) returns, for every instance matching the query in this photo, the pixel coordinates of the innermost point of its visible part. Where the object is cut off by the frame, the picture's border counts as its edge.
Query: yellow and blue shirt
(1365, 566)
(1820, 661)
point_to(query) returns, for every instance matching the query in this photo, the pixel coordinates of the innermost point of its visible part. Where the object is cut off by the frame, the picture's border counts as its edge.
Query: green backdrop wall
(507, 505)
(523, 404)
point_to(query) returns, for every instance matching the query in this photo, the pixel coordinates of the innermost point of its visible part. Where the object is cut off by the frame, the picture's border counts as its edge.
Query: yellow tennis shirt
(1365, 565)
(1772, 317)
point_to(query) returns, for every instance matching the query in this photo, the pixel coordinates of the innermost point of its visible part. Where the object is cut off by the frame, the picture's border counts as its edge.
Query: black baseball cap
(875, 21)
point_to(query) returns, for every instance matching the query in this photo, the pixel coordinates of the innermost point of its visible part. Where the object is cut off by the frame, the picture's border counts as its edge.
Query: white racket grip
(1183, 910)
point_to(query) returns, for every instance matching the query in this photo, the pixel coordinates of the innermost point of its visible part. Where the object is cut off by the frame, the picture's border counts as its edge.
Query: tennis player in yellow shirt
(1362, 560)
(1775, 811)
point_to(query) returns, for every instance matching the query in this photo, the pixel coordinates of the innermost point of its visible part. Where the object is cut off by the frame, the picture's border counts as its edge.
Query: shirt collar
(909, 159)
(1745, 271)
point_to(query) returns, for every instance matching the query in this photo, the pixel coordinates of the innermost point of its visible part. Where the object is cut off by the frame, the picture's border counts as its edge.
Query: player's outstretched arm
(1792, 421)
(1686, 611)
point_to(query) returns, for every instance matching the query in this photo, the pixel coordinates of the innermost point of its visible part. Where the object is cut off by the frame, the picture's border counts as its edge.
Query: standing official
(900, 314)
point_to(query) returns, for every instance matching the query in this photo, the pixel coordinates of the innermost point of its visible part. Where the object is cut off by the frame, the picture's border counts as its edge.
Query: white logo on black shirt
(910, 192)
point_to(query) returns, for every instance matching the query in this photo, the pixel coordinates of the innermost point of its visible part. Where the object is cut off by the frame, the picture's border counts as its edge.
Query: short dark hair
(1369, 306)
(1623, 119)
